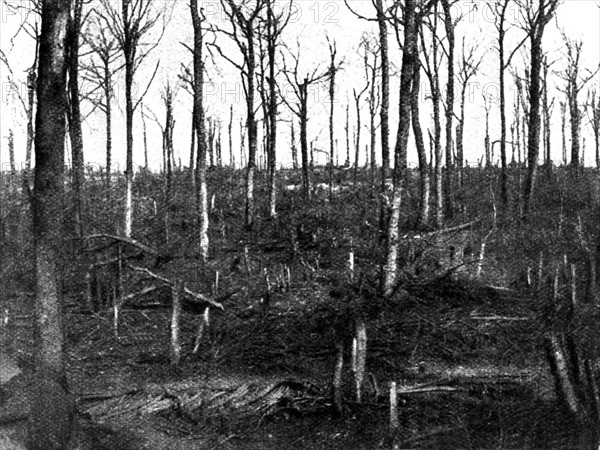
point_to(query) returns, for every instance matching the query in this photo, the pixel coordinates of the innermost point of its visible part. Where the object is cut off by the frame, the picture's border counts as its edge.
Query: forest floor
(464, 348)
(466, 357)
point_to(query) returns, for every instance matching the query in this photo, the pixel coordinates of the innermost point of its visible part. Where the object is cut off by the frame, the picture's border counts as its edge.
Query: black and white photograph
(299, 224)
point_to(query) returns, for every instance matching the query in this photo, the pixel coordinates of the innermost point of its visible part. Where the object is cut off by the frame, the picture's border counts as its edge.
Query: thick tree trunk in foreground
(51, 406)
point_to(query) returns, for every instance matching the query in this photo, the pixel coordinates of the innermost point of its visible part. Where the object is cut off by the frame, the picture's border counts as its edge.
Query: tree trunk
(108, 112)
(51, 406)
(272, 110)
(437, 174)
(31, 88)
(75, 25)
(421, 152)
(503, 174)
(449, 26)
(230, 136)
(201, 189)
(252, 130)
(575, 116)
(385, 89)
(294, 148)
(409, 60)
(11, 155)
(347, 129)
(306, 188)
(129, 51)
(533, 141)
(357, 136)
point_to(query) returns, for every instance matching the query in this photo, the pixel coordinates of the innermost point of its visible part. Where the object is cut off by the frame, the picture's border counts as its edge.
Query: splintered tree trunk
(51, 413)
(31, 84)
(359, 357)
(11, 155)
(303, 140)
(176, 290)
(294, 148)
(409, 59)
(230, 137)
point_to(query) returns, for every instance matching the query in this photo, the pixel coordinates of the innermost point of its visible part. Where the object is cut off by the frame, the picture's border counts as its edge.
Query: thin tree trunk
(385, 89)
(31, 88)
(409, 60)
(294, 148)
(129, 52)
(199, 119)
(449, 26)
(75, 25)
(230, 135)
(421, 152)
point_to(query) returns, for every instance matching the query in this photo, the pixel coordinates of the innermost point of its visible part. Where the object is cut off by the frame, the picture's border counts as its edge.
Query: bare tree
(468, 67)
(563, 127)
(99, 75)
(74, 112)
(547, 114)
(293, 145)
(575, 82)
(592, 108)
(52, 409)
(198, 115)
(242, 17)
(271, 29)
(535, 14)
(410, 58)
(500, 9)
(431, 66)
(487, 145)
(128, 25)
(372, 68)
(421, 152)
(32, 11)
(357, 97)
(167, 132)
(300, 86)
(449, 26)
(334, 67)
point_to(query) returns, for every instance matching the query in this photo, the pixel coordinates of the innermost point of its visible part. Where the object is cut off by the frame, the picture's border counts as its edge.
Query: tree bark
(539, 19)
(421, 152)
(74, 32)
(449, 26)
(51, 413)
(385, 90)
(198, 109)
(409, 59)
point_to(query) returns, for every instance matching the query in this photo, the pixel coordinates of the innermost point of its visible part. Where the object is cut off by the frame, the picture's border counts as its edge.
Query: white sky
(313, 20)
